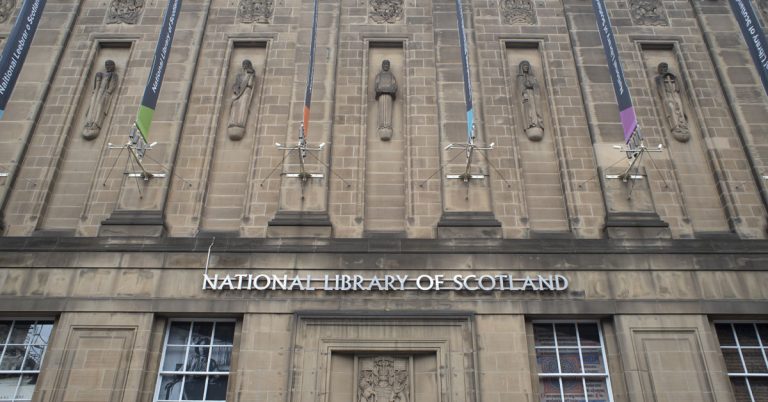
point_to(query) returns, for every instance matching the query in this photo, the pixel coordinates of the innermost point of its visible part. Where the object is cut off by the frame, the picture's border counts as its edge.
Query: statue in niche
(527, 85)
(124, 11)
(242, 93)
(518, 11)
(668, 88)
(647, 12)
(104, 85)
(386, 91)
(6, 9)
(386, 11)
(258, 11)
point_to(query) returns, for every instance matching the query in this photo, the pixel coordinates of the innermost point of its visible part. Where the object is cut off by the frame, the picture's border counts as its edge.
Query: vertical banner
(155, 80)
(16, 48)
(620, 89)
(310, 78)
(466, 75)
(753, 35)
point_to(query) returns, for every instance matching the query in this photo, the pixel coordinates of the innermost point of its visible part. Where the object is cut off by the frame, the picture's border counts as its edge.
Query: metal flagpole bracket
(137, 148)
(634, 153)
(470, 147)
(303, 148)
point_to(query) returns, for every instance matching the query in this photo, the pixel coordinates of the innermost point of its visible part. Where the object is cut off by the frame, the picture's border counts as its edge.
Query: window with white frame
(196, 361)
(22, 348)
(570, 359)
(744, 347)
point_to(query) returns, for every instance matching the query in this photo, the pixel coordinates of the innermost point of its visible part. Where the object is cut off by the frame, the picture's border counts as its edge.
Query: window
(744, 347)
(196, 361)
(22, 347)
(570, 359)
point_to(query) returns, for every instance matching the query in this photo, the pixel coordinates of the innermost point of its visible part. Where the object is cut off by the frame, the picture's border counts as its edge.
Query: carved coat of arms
(518, 11)
(259, 11)
(647, 12)
(383, 379)
(124, 11)
(6, 9)
(386, 11)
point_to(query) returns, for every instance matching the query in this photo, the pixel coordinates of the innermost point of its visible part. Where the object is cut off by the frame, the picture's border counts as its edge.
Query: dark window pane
(573, 390)
(170, 387)
(179, 333)
(746, 334)
(225, 333)
(763, 330)
(34, 358)
(174, 358)
(220, 358)
(26, 387)
(20, 332)
(8, 384)
(217, 388)
(593, 360)
(732, 361)
(566, 334)
(543, 335)
(194, 387)
(740, 390)
(549, 389)
(546, 359)
(569, 361)
(41, 333)
(197, 358)
(597, 391)
(13, 358)
(753, 359)
(759, 388)
(589, 335)
(201, 333)
(5, 328)
(725, 334)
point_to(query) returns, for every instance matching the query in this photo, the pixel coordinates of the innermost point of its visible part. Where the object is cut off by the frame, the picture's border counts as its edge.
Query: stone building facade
(382, 279)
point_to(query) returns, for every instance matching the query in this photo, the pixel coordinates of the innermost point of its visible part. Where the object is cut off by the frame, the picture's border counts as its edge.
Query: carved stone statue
(367, 383)
(386, 11)
(386, 91)
(242, 93)
(518, 11)
(104, 85)
(647, 12)
(259, 11)
(528, 86)
(400, 387)
(124, 11)
(668, 88)
(6, 9)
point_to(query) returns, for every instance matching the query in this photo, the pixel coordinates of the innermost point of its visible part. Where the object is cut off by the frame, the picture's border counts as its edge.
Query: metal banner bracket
(634, 153)
(303, 148)
(469, 148)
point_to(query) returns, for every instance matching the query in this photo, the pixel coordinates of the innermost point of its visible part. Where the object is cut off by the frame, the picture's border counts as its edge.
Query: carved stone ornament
(386, 11)
(383, 379)
(528, 87)
(124, 11)
(6, 9)
(258, 11)
(386, 91)
(240, 104)
(668, 87)
(647, 12)
(104, 85)
(517, 11)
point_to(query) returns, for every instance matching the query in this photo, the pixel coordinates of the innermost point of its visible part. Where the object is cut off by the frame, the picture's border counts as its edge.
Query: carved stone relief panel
(386, 11)
(518, 11)
(124, 11)
(6, 9)
(258, 11)
(647, 12)
(383, 379)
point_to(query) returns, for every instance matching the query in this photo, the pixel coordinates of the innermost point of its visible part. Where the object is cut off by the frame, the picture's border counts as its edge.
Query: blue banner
(310, 78)
(754, 36)
(465, 70)
(159, 63)
(16, 48)
(620, 89)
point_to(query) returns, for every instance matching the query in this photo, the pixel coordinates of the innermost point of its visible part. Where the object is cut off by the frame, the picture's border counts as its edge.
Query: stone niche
(384, 359)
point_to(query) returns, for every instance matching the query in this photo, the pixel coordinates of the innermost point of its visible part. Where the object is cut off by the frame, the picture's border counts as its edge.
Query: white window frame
(4, 343)
(560, 375)
(762, 347)
(185, 373)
